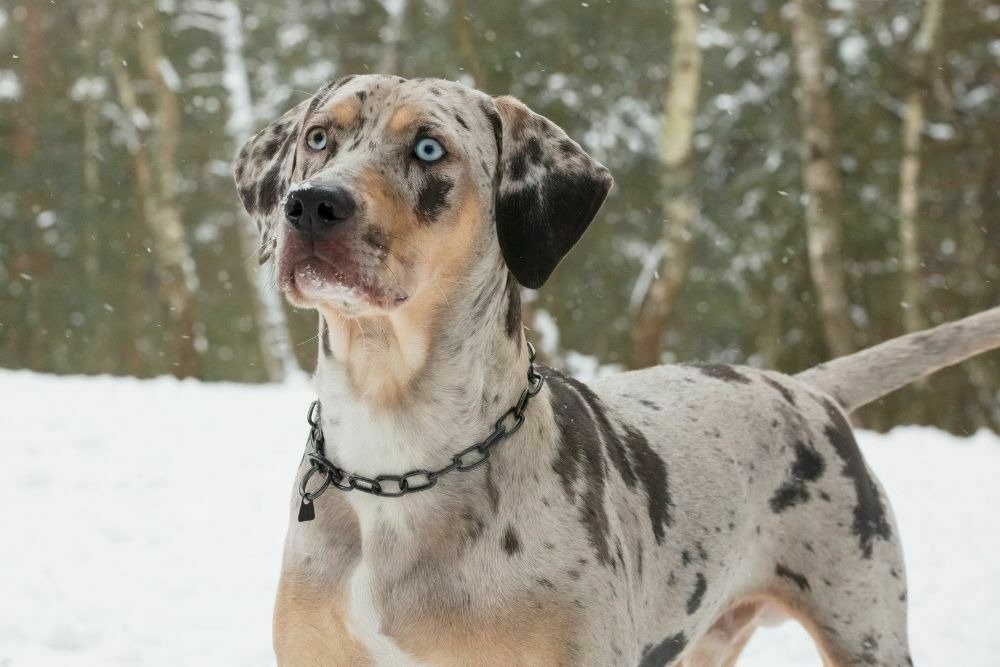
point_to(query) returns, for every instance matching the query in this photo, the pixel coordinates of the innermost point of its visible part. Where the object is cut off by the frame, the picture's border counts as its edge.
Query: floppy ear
(264, 169)
(549, 191)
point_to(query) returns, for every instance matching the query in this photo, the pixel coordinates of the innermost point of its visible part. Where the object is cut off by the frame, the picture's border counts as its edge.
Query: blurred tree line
(794, 180)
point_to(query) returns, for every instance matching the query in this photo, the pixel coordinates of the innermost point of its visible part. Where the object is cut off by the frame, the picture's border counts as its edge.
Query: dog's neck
(410, 390)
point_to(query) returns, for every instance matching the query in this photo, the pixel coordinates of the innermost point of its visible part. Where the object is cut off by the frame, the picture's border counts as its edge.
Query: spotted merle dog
(651, 518)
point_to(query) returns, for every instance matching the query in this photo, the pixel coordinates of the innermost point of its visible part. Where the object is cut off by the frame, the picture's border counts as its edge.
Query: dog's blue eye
(428, 150)
(316, 139)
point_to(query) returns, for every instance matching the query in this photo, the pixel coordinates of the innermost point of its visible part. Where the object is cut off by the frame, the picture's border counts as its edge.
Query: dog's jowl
(469, 507)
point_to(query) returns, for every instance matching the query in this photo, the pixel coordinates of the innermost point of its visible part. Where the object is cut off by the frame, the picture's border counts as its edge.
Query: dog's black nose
(314, 207)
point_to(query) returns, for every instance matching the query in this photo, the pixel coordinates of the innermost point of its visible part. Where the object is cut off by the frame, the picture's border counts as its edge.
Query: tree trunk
(269, 315)
(466, 43)
(821, 178)
(97, 349)
(392, 34)
(147, 208)
(679, 208)
(30, 341)
(178, 280)
(919, 68)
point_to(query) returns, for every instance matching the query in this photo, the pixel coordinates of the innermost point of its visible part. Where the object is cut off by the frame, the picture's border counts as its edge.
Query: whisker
(307, 340)
(408, 242)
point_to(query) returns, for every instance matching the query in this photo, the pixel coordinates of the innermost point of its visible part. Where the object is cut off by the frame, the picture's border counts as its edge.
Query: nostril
(326, 213)
(293, 210)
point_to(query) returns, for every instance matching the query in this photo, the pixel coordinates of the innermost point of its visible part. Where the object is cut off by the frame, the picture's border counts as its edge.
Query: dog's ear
(548, 191)
(264, 169)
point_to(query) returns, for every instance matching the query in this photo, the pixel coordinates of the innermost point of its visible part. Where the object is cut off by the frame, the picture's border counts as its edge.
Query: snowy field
(142, 524)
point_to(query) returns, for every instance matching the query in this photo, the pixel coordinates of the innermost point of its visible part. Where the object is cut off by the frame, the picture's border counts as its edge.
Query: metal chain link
(394, 486)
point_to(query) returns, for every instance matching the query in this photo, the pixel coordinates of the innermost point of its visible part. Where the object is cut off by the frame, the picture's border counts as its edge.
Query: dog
(655, 517)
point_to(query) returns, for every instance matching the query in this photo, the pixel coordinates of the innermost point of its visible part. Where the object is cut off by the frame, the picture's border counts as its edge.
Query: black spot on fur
(660, 655)
(652, 473)
(511, 545)
(634, 460)
(341, 82)
(694, 601)
(808, 466)
(869, 646)
(272, 146)
(461, 121)
(869, 514)
(490, 111)
(249, 198)
(533, 150)
(473, 524)
(723, 372)
(362, 94)
(796, 578)
(327, 350)
(517, 168)
(781, 389)
(644, 402)
(485, 298)
(492, 490)
(512, 321)
(316, 100)
(267, 189)
(579, 457)
(433, 198)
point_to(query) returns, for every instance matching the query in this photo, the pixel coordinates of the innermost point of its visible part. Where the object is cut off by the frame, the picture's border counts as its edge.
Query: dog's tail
(864, 376)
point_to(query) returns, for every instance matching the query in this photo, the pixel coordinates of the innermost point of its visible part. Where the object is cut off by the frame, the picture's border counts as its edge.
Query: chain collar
(394, 486)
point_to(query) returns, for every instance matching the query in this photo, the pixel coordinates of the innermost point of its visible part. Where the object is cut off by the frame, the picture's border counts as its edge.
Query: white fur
(364, 622)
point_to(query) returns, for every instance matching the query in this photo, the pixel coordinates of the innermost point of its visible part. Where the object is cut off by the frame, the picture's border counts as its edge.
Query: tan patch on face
(310, 629)
(343, 114)
(402, 118)
(384, 354)
(529, 637)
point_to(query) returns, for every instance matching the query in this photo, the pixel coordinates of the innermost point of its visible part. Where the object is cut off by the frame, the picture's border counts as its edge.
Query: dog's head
(378, 188)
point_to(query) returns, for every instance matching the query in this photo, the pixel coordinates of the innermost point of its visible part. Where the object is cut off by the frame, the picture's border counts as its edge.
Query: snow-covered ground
(142, 523)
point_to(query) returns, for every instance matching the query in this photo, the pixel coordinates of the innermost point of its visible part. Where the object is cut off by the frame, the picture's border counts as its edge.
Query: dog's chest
(364, 622)
(349, 616)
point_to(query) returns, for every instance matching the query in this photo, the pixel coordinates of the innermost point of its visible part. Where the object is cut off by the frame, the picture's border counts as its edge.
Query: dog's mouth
(312, 281)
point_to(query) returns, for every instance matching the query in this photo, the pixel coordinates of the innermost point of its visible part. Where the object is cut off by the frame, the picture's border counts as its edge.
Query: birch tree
(89, 96)
(919, 70)
(153, 149)
(679, 205)
(821, 178)
(224, 20)
(392, 35)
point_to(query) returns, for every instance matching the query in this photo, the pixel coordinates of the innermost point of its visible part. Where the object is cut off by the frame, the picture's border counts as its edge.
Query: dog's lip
(315, 274)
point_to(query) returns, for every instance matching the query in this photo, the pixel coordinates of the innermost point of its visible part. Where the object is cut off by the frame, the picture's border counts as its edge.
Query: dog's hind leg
(856, 614)
(723, 643)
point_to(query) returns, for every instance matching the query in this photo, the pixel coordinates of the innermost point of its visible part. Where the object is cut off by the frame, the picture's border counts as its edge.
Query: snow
(143, 524)
(10, 87)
